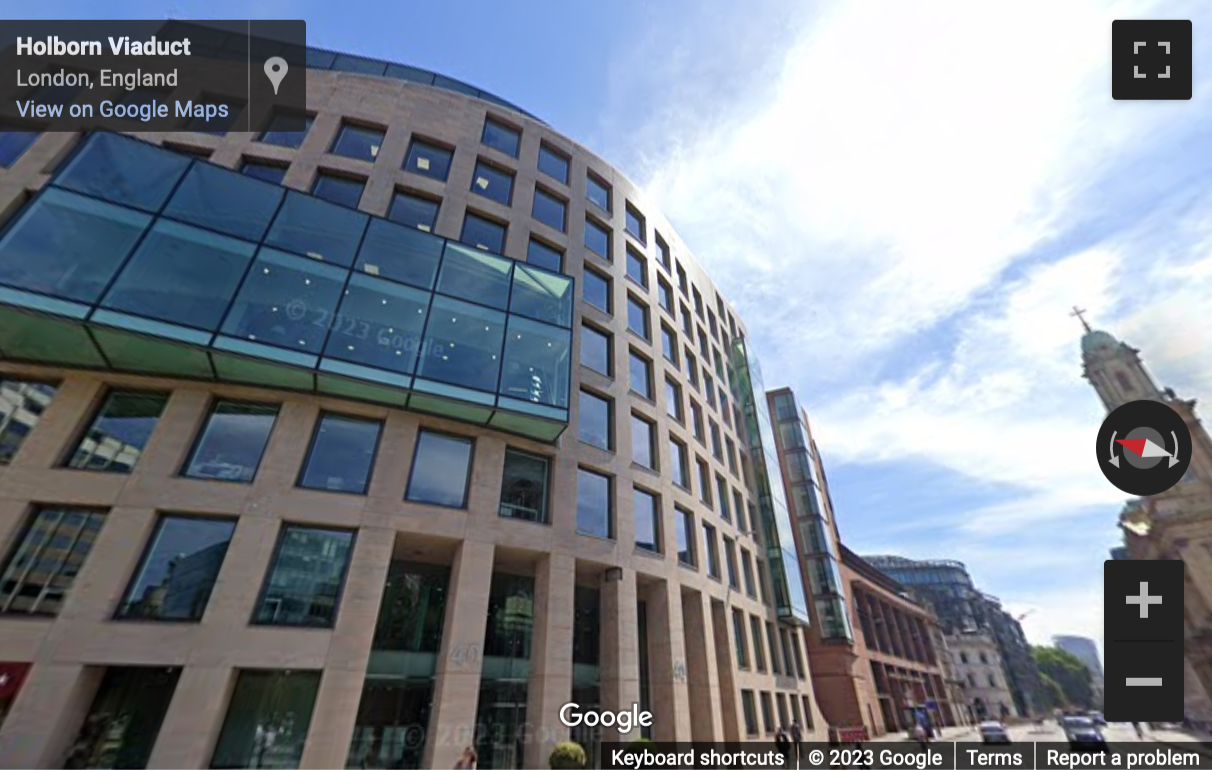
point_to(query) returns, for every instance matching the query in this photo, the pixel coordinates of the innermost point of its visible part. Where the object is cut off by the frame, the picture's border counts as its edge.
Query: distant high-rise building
(1085, 650)
(1120, 553)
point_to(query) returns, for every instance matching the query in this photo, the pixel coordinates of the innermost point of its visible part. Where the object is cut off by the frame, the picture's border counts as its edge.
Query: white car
(993, 732)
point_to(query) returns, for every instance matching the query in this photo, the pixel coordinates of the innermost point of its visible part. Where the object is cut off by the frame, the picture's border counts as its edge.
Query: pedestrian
(783, 744)
(467, 761)
(797, 735)
(1139, 732)
(919, 734)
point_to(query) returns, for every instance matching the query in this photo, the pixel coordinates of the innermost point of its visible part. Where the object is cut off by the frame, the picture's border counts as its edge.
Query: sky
(903, 201)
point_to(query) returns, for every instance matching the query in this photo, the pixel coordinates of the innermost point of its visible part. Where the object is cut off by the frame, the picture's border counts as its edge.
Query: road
(1050, 732)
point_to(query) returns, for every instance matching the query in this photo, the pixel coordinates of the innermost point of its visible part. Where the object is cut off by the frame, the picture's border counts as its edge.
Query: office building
(1085, 650)
(978, 664)
(355, 446)
(882, 676)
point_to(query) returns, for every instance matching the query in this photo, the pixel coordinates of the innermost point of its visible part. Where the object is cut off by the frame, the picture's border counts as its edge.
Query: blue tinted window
(319, 229)
(286, 301)
(596, 290)
(525, 486)
(597, 239)
(124, 171)
(345, 192)
(594, 425)
(182, 275)
(440, 468)
(483, 233)
(232, 442)
(305, 579)
(462, 345)
(356, 142)
(542, 296)
(276, 133)
(342, 453)
(594, 514)
(68, 246)
(597, 192)
(428, 160)
(678, 466)
(669, 344)
(635, 224)
(595, 350)
(405, 72)
(640, 373)
(347, 63)
(400, 253)
(13, 143)
(264, 171)
(119, 431)
(216, 198)
(501, 137)
(553, 164)
(647, 521)
(413, 211)
(492, 183)
(637, 268)
(637, 317)
(544, 256)
(475, 276)
(536, 365)
(549, 210)
(179, 569)
(379, 324)
(642, 449)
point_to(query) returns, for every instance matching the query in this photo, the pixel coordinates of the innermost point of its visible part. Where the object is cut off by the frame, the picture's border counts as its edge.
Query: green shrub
(638, 745)
(567, 756)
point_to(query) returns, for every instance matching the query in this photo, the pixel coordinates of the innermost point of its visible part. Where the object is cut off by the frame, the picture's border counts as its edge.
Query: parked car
(993, 732)
(1083, 735)
(1098, 719)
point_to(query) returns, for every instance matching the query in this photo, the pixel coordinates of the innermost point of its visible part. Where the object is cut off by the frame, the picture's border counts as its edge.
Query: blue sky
(939, 182)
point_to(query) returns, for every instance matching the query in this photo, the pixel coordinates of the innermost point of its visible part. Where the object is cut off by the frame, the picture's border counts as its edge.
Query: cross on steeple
(1079, 314)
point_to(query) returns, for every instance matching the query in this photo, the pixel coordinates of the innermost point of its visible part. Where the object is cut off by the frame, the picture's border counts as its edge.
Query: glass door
(501, 723)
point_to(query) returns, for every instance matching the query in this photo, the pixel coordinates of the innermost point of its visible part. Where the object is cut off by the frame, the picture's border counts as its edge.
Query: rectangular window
(739, 506)
(669, 344)
(683, 284)
(751, 725)
(549, 210)
(524, 486)
(692, 369)
(541, 255)
(759, 653)
(696, 420)
(595, 350)
(178, 570)
(501, 137)
(788, 641)
(597, 192)
(594, 424)
(637, 267)
(46, 559)
(704, 481)
(635, 224)
(595, 515)
(709, 389)
(685, 525)
(738, 638)
(711, 551)
(780, 701)
(482, 233)
(711, 324)
(679, 469)
(358, 142)
(338, 189)
(767, 713)
(428, 160)
(640, 372)
(268, 172)
(493, 183)
(264, 704)
(119, 432)
(730, 563)
(414, 211)
(596, 288)
(637, 317)
(441, 470)
(643, 442)
(731, 447)
(665, 295)
(342, 454)
(305, 578)
(721, 489)
(687, 323)
(553, 163)
(141, 695)
(231, 443)
(717, 449)
(663, 255)
(647, 514)
(763, 588)
(698, 302)
(747, 572)
(673, 399)
(597, 239)
(276, 134)
(704, 347)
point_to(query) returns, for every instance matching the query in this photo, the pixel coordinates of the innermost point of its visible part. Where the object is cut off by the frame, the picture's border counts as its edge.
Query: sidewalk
(947, 734)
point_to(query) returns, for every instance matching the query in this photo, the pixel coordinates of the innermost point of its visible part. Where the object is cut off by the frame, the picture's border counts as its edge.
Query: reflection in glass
(68, 246)
(413, 609)
(482, 233)
(428, 160)
(400, 253)
(679, 469)
(358, 142)
(413, 211)
(524, 486)
(594, 510)
(553, 164)
(492, 183)
(342, 454)
(637, 317)
(338, 189)
(124, 170)
(647, 520)
(597, 239)
(232, 442)
(598, 193)
(267, 172)
(501, 137)
(275, 134)
(119, 432)
(542, 296)
(317, 229)
(643, 451)
(389, 729)
(305, 578)
(124, 718)
(475, 276)
(507, 633)
(711, 550)
(685, 525)
(379, 324)
(182, 275)
(267, 720)
(637, 268)
(635, 224)
(594, 425)
(179, 569)
(21, 405)
(13, 143)
(544, 256)
(595, 350)
(549, 210)
(536, 363)
(640, 373)
(286, 301)
(223, 200)
(462, 345)
(441, 469)
(48, 555)
(596, 289)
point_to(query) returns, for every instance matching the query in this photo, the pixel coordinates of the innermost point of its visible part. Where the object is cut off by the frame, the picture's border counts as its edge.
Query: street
(1050, 732)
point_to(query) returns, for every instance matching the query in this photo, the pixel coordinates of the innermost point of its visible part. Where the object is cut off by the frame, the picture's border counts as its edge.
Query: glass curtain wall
(501, 716)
